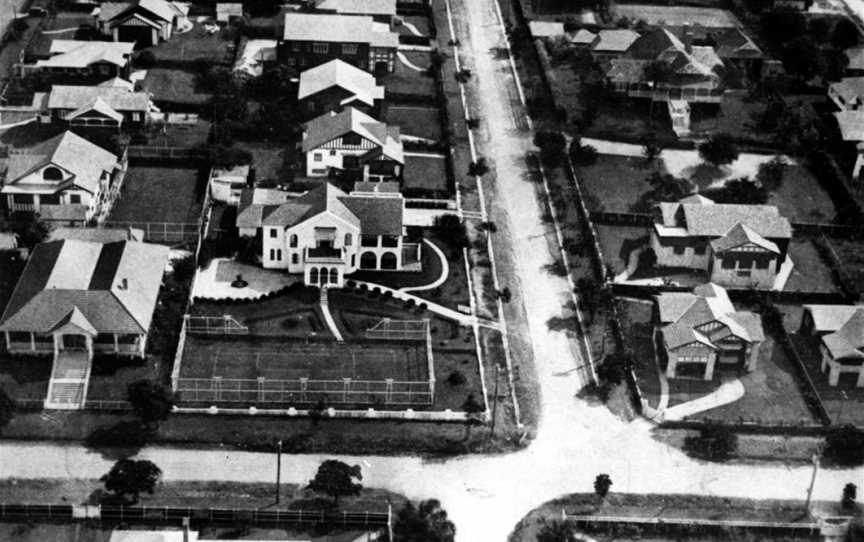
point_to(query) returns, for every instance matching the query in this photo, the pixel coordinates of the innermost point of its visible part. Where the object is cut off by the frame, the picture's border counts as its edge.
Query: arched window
(334, 276)
(349, 239)
(368, 260)
(292, 242)
(313, 275)
(388, 260)
(52, 173)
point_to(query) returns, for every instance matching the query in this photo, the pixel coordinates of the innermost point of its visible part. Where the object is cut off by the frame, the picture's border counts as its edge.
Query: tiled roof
(378, 215)
(848, 341)
(68, 151)
(851, 124)
(358, 7)
(831, 317)
(741, 235)
(856, 58)
(338, 73)
(112, 287)
(318, 200)
(734, 43)
(329, 126)
(617, 41)
(716, 220)
(117, 98)
(80, 54)
(546, 29)
(337, 29)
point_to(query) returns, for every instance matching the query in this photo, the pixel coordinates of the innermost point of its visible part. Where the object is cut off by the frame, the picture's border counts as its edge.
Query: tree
(226, 156)
(715, 443)
(30, 229)
(335, 478)
(779, 24)
(556, 531)
(770, 175)
(742, 191)
(426, 522)
(602, 484)
(820, 29)
(850, 493)
(719, 150)
(144, 60)
(803, 59)
(845, 34)
(844, 445)
(551, 145)
(452, 228)
(582, 155)
(150, 400)
(7, 409)
(473, 409)
(664, 187)
(128, 478)
(651, 151)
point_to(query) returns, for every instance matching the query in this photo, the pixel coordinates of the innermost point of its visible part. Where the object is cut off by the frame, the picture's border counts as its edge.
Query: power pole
(278, 468)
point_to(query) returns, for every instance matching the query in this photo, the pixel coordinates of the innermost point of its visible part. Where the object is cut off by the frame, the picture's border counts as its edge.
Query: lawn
(637, 329)
(849, 252)
(408, 83)
(615, 183)
(195, 46)
(616, 242)
(801, 198)
(159, 194)
(111, 376)
(843, 402)
(735, 115)
(11, 266)
(24, 377)
(268, 160)
(416, 121)
(811, 273)
(175, 86)
(427, 174)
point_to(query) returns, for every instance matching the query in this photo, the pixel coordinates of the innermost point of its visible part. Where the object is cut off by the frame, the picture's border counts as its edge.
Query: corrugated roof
(851, 124)
(114, 286)
(583, 37)
(117, 98)
(850, 88)
(97, 235)
(831, 317)
(856, 58)
(329, 126)
(615, 41)
(337, 29)
(340, 74)
(160, 8)
(81, 54)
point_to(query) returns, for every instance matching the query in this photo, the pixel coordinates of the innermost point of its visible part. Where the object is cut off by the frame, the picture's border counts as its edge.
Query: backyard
(173, 87)
(416, 121)
(145, 187)
(425, 176)
(196, 46)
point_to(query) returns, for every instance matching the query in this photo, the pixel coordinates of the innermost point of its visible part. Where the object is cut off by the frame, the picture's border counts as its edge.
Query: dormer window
(52, 173)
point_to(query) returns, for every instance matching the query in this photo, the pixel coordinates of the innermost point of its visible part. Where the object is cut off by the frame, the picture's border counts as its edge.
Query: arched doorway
(324, 274)
(388, 260)
(368, 260)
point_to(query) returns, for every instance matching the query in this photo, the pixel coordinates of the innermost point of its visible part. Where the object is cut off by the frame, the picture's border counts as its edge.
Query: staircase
(67, 388)
(679, 112)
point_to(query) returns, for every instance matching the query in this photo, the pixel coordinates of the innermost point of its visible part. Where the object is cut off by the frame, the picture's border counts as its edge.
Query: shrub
(714, 443)
(456, 378)
(844, 445)
(151, 401)
(145, 59)
(7, 409)
(719, 149)
(350, 284)
(478, 168)
(128, 434)
(184, 268)
(551, 145)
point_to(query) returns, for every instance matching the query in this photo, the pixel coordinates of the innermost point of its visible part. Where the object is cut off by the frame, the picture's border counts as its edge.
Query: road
(487, 495)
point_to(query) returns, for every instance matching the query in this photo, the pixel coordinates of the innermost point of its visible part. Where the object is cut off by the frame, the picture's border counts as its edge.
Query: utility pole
(278, 468)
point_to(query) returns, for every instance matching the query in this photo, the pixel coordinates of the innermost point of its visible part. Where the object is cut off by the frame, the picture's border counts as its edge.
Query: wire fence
(215, 325)
(160, 232)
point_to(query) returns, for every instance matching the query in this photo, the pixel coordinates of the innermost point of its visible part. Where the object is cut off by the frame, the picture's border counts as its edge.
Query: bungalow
(738, 245)
(87, 59)
(66, 180)
(108, 106)
(77, 298)
(145, 22)
(840, 330)
(337, 84)
(609, 44)
(326, 234)
(736, 48)
(310, 39)
(701, 329)
(848, 93)
(352, 141)
(382, 11)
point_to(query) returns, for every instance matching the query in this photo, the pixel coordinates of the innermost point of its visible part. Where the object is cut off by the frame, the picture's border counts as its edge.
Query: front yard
(615, 183)
(425, 176)
(416, 120)
(160, 193)
(405, 84)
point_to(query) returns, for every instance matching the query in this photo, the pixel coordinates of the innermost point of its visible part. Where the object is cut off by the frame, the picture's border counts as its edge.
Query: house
(353, 142)
(226, 11)
(609, 44)
(326, 234)
(87, 59)
(699, 330)
(66, 180)
(78, 298)
(145, 22)
(383, 11)
(736, 48)
(738, 245)
(855, 56)
(700, 22)
(254, 203)
(99, 106)
(227, 183)
(337, 84)
(310, 39)
(840, 331)
(848, 93)
(546, 29)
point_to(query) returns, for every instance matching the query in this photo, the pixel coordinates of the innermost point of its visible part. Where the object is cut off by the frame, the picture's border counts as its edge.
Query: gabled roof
(851, 124)
(683, 312)
(329, 126)
(337, 29)
(651, 45)
(160, 8)
(105, 287)
(856, 58)
(848, 341)
(583, 37)
(358, 7)
(831, 317)
(338, 73)
(98, 105)
(68, 151)
(370, 214)
(717, 219)
(117, 98)
(546, 29)
(849, 88)
(80, 54)
(617, 41)
(118, 82)
(742, 235)
(734, 43)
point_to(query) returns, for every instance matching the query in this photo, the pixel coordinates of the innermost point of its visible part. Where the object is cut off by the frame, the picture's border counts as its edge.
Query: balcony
(324, 255)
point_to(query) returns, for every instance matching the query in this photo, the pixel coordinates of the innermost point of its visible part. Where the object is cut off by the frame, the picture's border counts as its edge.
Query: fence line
(148, 151)
(215, 325)
(809, 527)
(160, 231)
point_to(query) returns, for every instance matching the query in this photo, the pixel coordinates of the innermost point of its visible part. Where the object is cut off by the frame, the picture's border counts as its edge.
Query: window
(351, 139)
(295, 259)
(389, 241)
(349, 48)
(273, 233)
(317, 157)
(292, 241)
(49, 199)
(25, 199)
(332, 152)
(290, 62)
(19, 336)
(369, 240)
(353, 260)
(699, 249)
(678, 249)
(74, 198)
(279, 254)
(762, 263)
(743, 272)
(727, 263)
(320, 48)
(136, 117)
(295, 45)
(52, 173)
(349, 240)
(272, 254)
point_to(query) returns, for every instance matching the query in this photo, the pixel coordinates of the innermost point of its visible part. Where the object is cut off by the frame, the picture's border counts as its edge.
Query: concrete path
(328, 317)
(783, 275)
(425, 155)
(410, 65)
(412, 29)
(632, 265)
(445, 271)
(728, 392)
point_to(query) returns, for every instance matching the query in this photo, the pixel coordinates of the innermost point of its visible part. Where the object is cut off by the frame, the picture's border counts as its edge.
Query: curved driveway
(487, 495)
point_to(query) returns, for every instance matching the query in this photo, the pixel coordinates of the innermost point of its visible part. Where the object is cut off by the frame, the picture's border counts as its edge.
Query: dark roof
(378, 215)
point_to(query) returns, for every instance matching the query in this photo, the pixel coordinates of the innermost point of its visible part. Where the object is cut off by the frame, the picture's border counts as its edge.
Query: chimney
(124, 284)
